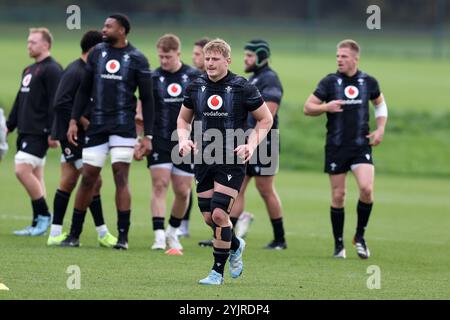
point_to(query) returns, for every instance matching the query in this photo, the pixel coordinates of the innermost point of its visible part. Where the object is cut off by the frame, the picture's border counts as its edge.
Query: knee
(338, 195)
(88, 181)
(366, 193)
(120, 179)
(219, 217)
(182, 194)
(68, 184)
(160, 187)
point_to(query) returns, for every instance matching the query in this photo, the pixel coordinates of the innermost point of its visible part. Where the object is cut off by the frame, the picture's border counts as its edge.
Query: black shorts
(341, 159)
(269, 167)
(37, 145)
(70, 152)
(227, 175)
(162, 154)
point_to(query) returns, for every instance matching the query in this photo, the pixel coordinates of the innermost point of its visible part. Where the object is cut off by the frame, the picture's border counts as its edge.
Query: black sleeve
(187, 100)
(272, 90)
(83, 94)
(321, 91)
(252, 97)
(11, 123)
(374, 89)
(51, 81)
(145, 85)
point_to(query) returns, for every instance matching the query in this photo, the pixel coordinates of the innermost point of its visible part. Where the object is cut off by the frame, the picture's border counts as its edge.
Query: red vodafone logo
(351, 92)
(174, 90)
(215, 102)
(26, 80)
(112, 66)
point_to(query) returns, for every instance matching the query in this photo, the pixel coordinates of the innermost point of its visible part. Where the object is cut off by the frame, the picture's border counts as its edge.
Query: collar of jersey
(224, 79)
(357, 74)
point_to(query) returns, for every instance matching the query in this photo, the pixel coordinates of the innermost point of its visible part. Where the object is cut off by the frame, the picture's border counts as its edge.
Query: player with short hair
(71, 161)
(32, 115)
(257, 54)
(169, 83)
(114, 70)
(219, 102)
(344, 96)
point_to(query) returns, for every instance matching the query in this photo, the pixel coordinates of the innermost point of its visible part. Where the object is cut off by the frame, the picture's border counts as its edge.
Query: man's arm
(264, 122)
(184, 128)
(315, 107)
(381, 114)
(11, 123)
(79, 106)
(273, 107)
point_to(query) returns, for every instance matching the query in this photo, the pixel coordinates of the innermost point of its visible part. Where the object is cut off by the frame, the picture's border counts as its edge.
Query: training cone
(174, 252)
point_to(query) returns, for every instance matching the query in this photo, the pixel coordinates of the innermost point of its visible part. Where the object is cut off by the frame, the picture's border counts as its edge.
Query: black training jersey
(221, 105)
(112, 77)
(65, 96)
(350, 127)
(168, 91)
(268, 83)
(32, 112)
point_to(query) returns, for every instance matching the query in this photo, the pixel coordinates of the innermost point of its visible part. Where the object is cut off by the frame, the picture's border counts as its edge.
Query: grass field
(408, 232)
(408, 236)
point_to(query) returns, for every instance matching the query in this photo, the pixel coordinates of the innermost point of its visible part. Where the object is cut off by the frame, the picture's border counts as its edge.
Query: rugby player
(169, 83)
(219, 101)
(344, 96)
(114, 70)
(32, 115)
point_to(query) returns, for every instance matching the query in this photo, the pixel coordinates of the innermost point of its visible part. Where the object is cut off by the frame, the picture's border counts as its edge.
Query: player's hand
(84, 123)
(334, 106)
(52, 143)
(146, 146)
(138, 154)
(376, 137)
(72, 133)
(245, 152)
(186, 146)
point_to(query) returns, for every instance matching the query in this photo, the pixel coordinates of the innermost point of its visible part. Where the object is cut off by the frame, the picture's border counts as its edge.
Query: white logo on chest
(215, 102)
(26, 80)
(174, 90)
(351, 92)
(112, 66)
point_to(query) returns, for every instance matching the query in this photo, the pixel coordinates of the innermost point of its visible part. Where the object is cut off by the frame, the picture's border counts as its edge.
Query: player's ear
(228, 60)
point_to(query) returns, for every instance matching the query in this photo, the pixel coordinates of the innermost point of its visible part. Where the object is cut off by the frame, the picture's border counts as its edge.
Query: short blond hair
(169, 42)
(218, 45)
(350, 44)
(45, 33)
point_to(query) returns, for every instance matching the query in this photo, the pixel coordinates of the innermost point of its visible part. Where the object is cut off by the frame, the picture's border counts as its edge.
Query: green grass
(408, 236)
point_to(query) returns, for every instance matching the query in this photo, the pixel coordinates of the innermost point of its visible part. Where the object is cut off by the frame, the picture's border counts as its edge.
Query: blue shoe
(236, 263)
(213, 278)
(43, 223)
(24, 232)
